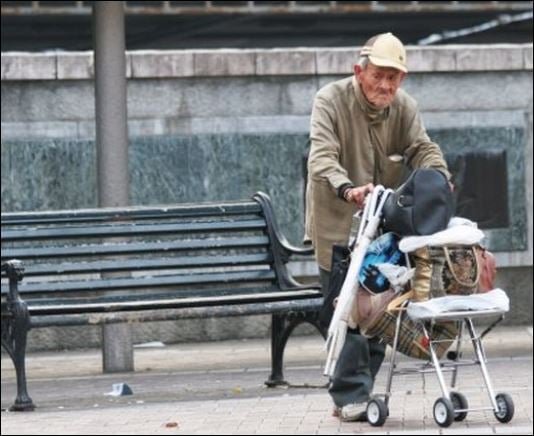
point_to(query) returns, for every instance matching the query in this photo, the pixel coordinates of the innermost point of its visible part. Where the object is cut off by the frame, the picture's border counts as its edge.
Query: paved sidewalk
(217, 388)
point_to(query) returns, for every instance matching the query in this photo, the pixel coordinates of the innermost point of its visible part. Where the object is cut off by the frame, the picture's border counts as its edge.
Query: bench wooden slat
(113, 297)
(151, 247)
(100, 318)
(175, 303)
(143, 282)
(146, 264)
(129, 229)
(133, 213)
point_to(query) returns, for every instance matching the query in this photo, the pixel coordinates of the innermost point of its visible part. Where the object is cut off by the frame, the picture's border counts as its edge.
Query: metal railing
(258, 7)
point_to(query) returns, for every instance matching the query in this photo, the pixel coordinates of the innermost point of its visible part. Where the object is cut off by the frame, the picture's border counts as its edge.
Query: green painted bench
(134, 264)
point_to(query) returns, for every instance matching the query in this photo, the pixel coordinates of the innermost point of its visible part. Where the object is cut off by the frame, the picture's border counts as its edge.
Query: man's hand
(357, 195)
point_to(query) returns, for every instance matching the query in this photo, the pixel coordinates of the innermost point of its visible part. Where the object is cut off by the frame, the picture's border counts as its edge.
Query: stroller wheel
(459, 402)
(506, 408)
(443, 412)
(377, 412)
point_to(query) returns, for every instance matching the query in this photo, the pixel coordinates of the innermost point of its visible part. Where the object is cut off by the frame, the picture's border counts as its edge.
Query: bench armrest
(274, 231)
(300, 251)
(282, 249)
(14, 270)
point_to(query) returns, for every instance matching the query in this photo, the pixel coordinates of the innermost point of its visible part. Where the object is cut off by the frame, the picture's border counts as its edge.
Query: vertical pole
(112, 147)
(110, 99)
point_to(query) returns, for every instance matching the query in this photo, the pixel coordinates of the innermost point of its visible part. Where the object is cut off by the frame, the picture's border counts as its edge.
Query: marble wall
(166, 169)
(61, 174)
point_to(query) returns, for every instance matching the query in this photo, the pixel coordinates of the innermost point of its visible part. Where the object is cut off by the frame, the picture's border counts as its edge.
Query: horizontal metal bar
(232, 306)
(460, 315)
(128, 229)
(473, 409)
(445, 367)
(193, 292)
(151, 247)
(142, 282)
(281, 8)
(460, 363)
(132, 213)
(145, 264)
(407, 371)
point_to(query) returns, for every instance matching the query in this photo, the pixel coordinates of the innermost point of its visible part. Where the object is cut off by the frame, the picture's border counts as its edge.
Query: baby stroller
(437, 322)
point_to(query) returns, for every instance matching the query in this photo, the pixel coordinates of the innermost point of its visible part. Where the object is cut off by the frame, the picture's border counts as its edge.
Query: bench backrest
(199, 252)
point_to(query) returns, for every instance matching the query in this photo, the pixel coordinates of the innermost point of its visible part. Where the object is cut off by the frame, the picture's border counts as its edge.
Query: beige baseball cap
(385, 50)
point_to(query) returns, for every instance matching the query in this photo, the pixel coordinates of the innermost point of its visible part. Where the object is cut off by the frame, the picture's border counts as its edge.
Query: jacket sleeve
(323, 161)
(420, 151)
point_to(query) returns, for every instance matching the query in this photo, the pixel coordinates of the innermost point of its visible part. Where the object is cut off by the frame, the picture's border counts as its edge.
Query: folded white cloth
(459, 221)
(460, 231)
(492, 300)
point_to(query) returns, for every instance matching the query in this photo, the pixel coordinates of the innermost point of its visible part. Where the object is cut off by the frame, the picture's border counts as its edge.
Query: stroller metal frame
(452, 406)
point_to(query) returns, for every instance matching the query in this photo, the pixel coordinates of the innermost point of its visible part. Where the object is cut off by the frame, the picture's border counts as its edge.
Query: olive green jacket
(352, 142)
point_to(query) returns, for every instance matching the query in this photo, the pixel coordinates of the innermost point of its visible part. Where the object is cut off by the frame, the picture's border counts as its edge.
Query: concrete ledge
(224, 62)
(78, 65)
(159, 63)
(285, 62)
(28, 66)
(261, 62)
(527, 55)
(500, 57)
(40, 129)
(335, 60)
(442, 58)
(298, 124)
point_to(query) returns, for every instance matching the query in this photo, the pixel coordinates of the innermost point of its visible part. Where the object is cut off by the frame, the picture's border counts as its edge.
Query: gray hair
(363, 61)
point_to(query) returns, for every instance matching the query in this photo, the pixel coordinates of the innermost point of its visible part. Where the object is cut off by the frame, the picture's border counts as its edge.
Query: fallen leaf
(172, 424)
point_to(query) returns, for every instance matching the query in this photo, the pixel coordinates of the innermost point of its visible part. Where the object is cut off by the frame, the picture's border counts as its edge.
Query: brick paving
(217, 388)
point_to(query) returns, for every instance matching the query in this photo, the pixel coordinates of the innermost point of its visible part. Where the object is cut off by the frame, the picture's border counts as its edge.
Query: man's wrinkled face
(379, 84)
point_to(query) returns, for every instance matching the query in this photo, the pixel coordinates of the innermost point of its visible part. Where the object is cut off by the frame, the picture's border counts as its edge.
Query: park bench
(134, 264)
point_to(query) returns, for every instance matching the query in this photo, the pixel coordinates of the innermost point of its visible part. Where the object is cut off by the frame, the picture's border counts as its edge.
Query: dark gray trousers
(357, 366)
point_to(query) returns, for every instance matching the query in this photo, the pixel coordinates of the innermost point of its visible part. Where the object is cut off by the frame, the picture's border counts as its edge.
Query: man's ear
(403, 75)
(357, 70)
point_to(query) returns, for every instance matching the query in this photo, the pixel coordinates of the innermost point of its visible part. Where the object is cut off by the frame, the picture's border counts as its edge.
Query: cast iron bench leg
(279, 337)
(14, 332)
(282, 326)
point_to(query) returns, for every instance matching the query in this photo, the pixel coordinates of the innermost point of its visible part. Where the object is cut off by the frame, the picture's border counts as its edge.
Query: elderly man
(365, 130)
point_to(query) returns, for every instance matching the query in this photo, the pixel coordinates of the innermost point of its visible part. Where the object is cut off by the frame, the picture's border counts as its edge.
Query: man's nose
(384, 87)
